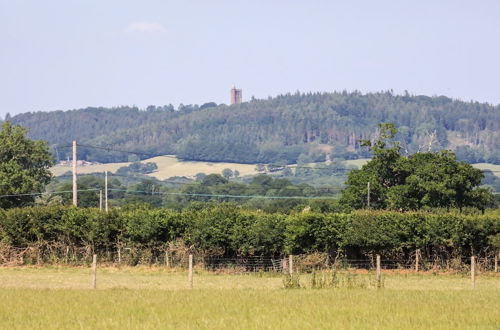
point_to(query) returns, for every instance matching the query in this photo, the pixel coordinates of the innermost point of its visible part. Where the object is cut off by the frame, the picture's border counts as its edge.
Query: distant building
(236, 96)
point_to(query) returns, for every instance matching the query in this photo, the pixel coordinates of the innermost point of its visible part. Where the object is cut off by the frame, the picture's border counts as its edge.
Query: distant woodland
(285, 129)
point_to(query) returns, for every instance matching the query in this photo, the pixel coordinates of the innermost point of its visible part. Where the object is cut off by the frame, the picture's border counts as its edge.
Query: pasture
(167, 167)
(170, 166)
(157, 297)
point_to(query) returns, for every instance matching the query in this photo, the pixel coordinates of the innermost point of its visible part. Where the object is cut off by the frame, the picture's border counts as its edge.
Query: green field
(148, 298)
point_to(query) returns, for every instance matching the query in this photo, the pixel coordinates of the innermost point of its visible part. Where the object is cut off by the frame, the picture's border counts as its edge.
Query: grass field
(487, 166)
(150, 298)
(357, 162)
(167, 167)
(171, 166)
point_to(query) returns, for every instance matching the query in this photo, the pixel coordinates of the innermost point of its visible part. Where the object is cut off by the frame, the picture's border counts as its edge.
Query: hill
(287, 129)
(167, 167)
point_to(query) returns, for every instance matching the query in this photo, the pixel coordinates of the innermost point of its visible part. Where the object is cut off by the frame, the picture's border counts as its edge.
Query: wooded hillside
(284, 129)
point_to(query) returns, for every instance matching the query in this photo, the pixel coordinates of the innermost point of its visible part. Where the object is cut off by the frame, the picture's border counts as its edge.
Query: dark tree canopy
(420, 180)
(281, 130)
(24, 166)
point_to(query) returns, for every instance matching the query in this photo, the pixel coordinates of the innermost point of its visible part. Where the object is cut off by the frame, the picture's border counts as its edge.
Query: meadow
(170, 166)
(157, 297)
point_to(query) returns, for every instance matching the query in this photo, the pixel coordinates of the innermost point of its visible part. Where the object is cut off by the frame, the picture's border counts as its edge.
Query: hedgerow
(68, 234)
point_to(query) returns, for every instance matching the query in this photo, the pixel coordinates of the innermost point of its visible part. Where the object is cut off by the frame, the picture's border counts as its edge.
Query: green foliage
(226, 230)
(414, 182)
(24, 166)
(276, 130)
(227, 173)
(137, 168)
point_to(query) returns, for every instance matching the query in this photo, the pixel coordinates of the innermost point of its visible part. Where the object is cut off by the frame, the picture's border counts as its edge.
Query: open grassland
(167, 167)
(59, 297)
(357, 162)
(487, 166)
(171, 166)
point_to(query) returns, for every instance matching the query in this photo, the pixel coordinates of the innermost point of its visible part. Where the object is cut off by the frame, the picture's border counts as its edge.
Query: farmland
(143, 297)
(167, 167)
(171, 166)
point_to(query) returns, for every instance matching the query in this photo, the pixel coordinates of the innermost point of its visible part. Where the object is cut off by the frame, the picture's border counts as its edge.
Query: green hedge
(230, 231)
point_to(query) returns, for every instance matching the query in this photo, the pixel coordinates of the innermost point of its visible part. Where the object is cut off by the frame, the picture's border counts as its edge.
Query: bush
(226, 230)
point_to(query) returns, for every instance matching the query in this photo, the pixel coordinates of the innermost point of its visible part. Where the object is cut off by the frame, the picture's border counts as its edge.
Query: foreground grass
(248, 309)
(156, 298)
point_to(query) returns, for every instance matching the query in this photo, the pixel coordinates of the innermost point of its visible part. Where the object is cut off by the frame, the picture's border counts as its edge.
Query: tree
(138, 168)
(24, 166)
(227, 173)
(213, 180)
(414, 182)
(200, 176)
(260, 168)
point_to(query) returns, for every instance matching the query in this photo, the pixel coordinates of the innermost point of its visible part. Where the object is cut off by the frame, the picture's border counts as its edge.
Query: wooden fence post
(497, 256)
(379, 272)
(290, 264)
(119, 254)
(417, 259)
(94, 271)
(190, 271)
(167, 259)
(473, 271)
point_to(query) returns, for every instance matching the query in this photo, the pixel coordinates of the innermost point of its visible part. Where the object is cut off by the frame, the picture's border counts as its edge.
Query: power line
(48, 192)
(224, 196)
(166, 182)
(274, 165)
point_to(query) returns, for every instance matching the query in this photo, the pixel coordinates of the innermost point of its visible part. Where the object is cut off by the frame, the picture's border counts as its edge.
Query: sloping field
(487, 166)
(357, 162)
(167, 167)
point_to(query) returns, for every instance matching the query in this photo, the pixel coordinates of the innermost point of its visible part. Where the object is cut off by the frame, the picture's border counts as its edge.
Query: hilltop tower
(236, 96)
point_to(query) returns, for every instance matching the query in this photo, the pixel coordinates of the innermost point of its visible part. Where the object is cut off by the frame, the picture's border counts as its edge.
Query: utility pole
(106, 190)
(100, 200)
(75, 190)
(368, 195)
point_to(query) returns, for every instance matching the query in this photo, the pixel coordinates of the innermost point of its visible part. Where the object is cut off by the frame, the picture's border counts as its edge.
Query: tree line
(389, 180)
(69, 234)
(278, 130)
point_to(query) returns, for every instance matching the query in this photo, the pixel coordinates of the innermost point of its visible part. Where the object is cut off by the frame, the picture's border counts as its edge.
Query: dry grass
(487, 166)
(149, 298)
(357, 162)
(167, 167)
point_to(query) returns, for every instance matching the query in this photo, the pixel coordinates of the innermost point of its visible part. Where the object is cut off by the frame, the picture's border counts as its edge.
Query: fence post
(290, 264)
(496, 261)
(190, 271)
(379, 272)
(167, 259)
(417, 260)
(94, 271)
(473, 271)
(119, 254)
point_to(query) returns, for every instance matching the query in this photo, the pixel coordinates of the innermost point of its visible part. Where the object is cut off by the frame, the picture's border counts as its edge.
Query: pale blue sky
(70, 54)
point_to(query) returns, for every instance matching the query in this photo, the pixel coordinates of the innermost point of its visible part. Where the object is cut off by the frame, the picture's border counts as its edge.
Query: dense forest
(284, 129)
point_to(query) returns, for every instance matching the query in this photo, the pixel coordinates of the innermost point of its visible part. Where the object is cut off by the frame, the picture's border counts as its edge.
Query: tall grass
(248, 309)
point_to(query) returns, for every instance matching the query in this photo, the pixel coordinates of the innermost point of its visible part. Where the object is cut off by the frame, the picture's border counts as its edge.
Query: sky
(69, 54)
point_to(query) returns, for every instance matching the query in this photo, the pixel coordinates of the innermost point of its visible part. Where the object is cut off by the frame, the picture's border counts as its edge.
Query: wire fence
(188, 271)
(176, 256)
(244, 264)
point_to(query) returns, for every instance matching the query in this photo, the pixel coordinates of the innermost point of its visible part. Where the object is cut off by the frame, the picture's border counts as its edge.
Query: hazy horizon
(62, 55)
